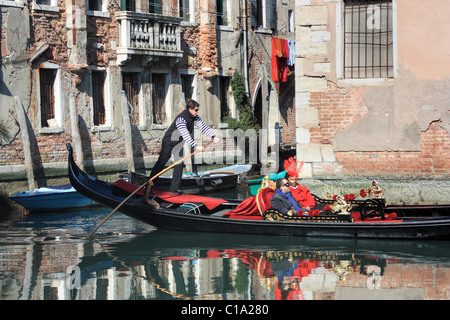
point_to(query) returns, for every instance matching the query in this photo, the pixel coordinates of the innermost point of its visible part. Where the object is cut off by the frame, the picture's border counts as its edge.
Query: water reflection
(207, 266)
(46, 257)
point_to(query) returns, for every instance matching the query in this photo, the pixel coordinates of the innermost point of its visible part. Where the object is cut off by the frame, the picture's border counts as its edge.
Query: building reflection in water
(86, 271)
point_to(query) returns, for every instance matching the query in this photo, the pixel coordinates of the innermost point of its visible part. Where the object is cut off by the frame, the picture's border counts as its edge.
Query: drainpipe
(244, 18)
(74, 30)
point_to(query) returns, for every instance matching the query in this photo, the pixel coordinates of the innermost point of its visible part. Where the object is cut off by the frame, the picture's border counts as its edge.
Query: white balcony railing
(148, 34)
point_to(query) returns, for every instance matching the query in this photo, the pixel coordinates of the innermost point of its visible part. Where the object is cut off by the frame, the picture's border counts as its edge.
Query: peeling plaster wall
(397, 114)
(15, 73)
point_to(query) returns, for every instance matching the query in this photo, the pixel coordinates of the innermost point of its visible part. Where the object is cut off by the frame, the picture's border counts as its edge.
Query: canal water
(46, 256)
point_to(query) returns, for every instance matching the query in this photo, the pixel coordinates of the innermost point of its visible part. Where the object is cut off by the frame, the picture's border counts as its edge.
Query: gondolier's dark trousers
(166, 152)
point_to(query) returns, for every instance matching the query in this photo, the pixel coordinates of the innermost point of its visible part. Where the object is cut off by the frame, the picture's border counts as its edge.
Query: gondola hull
(213, 221)
(422, 229)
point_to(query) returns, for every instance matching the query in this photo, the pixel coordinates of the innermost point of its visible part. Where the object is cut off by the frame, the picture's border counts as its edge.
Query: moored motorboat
(200, 213)
(52, 198)
(203, 181)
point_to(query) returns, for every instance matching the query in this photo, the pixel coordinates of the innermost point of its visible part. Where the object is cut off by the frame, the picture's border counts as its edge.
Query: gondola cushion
(210, 203)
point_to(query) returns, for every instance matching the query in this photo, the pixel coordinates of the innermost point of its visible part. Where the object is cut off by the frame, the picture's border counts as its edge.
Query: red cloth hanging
(280, 56)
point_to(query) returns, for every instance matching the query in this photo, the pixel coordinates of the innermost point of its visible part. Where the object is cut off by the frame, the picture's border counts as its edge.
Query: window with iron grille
(158, 98)
(98, 86)
(368, 39)
(131, 88)
(47, 82)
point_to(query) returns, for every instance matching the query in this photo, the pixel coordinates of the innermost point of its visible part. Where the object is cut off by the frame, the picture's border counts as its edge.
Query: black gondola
(207, 215)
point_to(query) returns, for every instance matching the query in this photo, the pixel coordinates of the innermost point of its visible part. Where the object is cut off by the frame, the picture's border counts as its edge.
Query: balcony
(148, 35)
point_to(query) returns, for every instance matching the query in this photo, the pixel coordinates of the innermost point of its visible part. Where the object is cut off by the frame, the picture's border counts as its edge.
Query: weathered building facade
(372, 88)
(67, 67)
(364, 92)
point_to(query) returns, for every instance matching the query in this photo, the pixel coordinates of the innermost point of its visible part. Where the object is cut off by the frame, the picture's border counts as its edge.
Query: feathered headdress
(292, 167)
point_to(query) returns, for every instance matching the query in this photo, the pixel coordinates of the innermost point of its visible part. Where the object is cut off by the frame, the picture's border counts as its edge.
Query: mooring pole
(127, 129)
(76, 137)
(21, 116)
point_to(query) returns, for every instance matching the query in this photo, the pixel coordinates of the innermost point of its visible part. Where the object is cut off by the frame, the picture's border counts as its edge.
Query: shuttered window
(221, 12)
(127, 5)
(155, 6)
(263, 14)
(184, 10)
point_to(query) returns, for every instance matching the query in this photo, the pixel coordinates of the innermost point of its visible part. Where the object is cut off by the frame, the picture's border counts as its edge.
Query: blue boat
(52, 198)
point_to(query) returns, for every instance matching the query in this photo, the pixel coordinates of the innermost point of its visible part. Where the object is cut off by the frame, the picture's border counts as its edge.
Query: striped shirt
(180, 122)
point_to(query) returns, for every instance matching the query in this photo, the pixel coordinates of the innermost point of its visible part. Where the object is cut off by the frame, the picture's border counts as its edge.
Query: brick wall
(101, 31)
(432, 161)
(50, 27)
(339, 109)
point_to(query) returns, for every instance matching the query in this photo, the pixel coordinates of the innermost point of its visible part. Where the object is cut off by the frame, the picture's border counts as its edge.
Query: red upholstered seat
(263, 199)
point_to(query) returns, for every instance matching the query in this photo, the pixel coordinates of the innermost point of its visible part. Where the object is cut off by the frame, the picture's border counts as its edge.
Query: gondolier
(179, 132)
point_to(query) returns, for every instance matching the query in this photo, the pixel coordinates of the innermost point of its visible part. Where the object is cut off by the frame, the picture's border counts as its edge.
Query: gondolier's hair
(191, 104)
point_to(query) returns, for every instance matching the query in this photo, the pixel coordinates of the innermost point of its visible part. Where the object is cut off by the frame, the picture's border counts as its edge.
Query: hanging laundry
(280, 56)
(291, 45)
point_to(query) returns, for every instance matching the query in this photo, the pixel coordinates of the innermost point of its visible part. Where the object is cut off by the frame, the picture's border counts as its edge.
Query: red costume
(303, 196)
(300, 193)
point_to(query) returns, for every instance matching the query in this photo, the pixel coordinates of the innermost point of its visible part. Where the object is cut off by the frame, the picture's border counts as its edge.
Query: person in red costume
(300, 193)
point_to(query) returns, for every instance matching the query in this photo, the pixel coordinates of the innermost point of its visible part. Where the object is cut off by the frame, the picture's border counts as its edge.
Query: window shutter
(271, 14)
(254, 13)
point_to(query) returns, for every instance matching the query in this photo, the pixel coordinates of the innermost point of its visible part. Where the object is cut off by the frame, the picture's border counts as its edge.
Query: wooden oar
(137, 190)
(229, 172)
